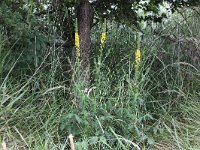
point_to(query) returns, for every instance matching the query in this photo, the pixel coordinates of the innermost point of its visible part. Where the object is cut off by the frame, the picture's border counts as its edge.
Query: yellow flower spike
(77, 41)
(77, 44)
(137, 57)
(103, 35)
(103, 39)
(137, 53)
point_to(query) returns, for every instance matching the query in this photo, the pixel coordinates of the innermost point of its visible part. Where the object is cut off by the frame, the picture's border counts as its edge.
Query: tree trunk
(85, 18)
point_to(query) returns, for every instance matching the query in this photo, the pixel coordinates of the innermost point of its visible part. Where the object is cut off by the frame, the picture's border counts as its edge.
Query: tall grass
(40, 106)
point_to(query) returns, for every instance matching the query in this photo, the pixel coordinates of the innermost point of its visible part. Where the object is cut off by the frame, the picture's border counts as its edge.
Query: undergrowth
(41, 104)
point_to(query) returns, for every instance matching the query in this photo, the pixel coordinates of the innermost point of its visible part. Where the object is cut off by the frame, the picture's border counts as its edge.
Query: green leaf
(150, 141)
(93, 140)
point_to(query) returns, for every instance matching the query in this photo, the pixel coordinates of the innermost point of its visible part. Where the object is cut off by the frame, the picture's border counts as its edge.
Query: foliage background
(42, 102)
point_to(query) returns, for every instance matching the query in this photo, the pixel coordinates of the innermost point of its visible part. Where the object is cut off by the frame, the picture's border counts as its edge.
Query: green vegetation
(43, 100)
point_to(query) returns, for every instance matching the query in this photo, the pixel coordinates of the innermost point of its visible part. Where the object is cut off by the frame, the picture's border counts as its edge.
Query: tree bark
(85, 18)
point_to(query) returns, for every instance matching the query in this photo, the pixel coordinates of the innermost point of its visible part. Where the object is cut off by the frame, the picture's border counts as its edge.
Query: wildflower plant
(103, 35)
(77, 42)
(137, 57)
(137, 54)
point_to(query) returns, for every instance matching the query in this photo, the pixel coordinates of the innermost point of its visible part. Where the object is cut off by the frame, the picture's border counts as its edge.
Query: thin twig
(71, 140)
(132, 143)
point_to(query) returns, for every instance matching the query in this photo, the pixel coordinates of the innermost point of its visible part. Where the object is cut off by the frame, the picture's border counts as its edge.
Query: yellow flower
(103, 39)
(77, 44)
(137, 57)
